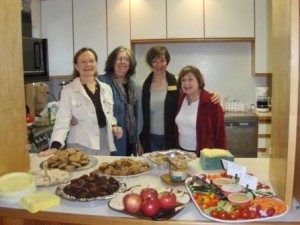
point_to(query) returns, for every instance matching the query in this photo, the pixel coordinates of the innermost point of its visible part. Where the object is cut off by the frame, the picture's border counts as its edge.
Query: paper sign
(235, 169)
(225, 163)
(248, 181)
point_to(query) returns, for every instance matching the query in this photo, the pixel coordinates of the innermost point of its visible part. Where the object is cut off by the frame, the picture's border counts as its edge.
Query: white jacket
(75, 102)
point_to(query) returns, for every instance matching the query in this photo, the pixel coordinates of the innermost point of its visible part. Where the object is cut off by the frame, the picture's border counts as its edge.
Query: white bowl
(231, 188)
(219, 182)
(241, 199)
(16, 185)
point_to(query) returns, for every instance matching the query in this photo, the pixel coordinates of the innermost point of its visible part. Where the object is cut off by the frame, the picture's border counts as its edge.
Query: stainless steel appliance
(242, 130)
(39, 137)
(35, 59)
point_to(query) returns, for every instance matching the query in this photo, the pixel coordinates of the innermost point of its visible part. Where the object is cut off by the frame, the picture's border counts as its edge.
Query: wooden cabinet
(57, 27)
(263, 38)
(118, 24)
(264, 135)
(89, 22)
(13, 138)
(185, 19)
(70, 25)
(229, 18)
(148, 19)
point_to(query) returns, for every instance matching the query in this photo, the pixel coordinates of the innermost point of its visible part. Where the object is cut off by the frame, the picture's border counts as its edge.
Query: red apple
(167, 200)
(132, 202)
(148, 193)
(150, 207)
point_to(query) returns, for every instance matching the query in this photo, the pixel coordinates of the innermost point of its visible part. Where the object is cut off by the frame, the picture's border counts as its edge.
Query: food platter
(56, 177)
(93, 162)
(205, 212)
(124, 168)
(183, 201)
(163, 215)
(159, 158)
(61, 192)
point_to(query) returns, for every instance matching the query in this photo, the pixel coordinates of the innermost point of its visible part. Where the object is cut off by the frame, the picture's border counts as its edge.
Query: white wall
(226, 66)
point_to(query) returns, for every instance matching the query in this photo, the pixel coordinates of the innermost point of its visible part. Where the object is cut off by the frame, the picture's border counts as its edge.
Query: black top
(97, 103)
(169, 112)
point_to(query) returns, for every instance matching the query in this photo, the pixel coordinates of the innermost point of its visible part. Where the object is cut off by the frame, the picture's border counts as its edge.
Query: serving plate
(122, 168)
(61, 193)
(93, 162)
(116, 204)
(57, 177)
(201, 211)
(159, 158)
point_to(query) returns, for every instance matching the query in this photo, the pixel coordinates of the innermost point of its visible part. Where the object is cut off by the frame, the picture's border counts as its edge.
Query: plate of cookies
(124, 167)
(70, 159)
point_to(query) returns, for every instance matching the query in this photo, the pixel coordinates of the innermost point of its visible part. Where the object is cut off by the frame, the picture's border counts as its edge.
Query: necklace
(193, 100)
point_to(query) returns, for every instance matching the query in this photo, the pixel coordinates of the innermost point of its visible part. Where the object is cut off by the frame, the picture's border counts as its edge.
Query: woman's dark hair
(157, 51)
(194, 70)
(76, 56)
(111, 60)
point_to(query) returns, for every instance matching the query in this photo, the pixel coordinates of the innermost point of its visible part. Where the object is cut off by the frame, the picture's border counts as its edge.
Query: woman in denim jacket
(120, 67)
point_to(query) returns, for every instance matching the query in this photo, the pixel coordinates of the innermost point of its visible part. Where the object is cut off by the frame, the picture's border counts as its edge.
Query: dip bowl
(219, 182)
(231, 188)
(241, 199)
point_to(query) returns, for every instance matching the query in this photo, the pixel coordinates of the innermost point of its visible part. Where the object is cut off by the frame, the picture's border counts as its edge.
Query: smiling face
(122, 64)
(189, 84)
(159, 65)
(86, 64)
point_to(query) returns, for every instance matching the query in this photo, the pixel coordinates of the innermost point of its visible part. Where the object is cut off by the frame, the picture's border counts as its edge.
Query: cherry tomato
(214, 213)
(259, 185)
(223, 215)
(253, 215)
(245, 213)
(233, 216)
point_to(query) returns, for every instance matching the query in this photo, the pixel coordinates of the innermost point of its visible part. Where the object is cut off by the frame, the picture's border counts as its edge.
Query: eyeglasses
(122, 59)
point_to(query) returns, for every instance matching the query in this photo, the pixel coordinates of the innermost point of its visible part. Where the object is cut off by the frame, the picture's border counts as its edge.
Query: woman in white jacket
(91, 102)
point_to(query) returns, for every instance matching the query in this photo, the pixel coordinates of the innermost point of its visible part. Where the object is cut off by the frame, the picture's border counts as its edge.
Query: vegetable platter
(212, 202)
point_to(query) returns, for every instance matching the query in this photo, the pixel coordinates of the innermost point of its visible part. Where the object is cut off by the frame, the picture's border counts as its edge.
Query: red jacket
(210, 125)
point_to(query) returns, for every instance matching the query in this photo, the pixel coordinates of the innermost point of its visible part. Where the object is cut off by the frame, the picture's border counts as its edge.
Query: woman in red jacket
(199, 123)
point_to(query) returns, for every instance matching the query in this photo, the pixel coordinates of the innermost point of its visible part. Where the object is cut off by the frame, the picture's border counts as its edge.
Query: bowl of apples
(150, 203)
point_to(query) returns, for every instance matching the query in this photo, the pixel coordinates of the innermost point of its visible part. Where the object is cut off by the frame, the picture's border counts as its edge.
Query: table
(69, 213)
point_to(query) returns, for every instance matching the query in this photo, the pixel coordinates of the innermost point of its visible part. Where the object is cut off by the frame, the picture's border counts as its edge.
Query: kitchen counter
(98, 212)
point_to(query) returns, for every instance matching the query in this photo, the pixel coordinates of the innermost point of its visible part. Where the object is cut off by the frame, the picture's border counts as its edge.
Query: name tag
(172, 88)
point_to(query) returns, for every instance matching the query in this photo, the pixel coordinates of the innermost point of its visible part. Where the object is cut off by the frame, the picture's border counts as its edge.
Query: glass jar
(178, 170)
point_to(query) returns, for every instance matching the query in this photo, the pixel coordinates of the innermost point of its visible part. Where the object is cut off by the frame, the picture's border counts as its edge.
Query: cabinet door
(57, 27)
(185, 19)
(148, 19)
(263, 36)
(118, 24)
(229, 18)
(90, 28)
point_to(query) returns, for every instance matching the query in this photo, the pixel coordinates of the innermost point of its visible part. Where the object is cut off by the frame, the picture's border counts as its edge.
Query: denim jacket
(119, 113)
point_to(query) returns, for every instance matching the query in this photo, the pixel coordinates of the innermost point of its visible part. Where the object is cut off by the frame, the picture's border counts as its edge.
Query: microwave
(35, 60)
